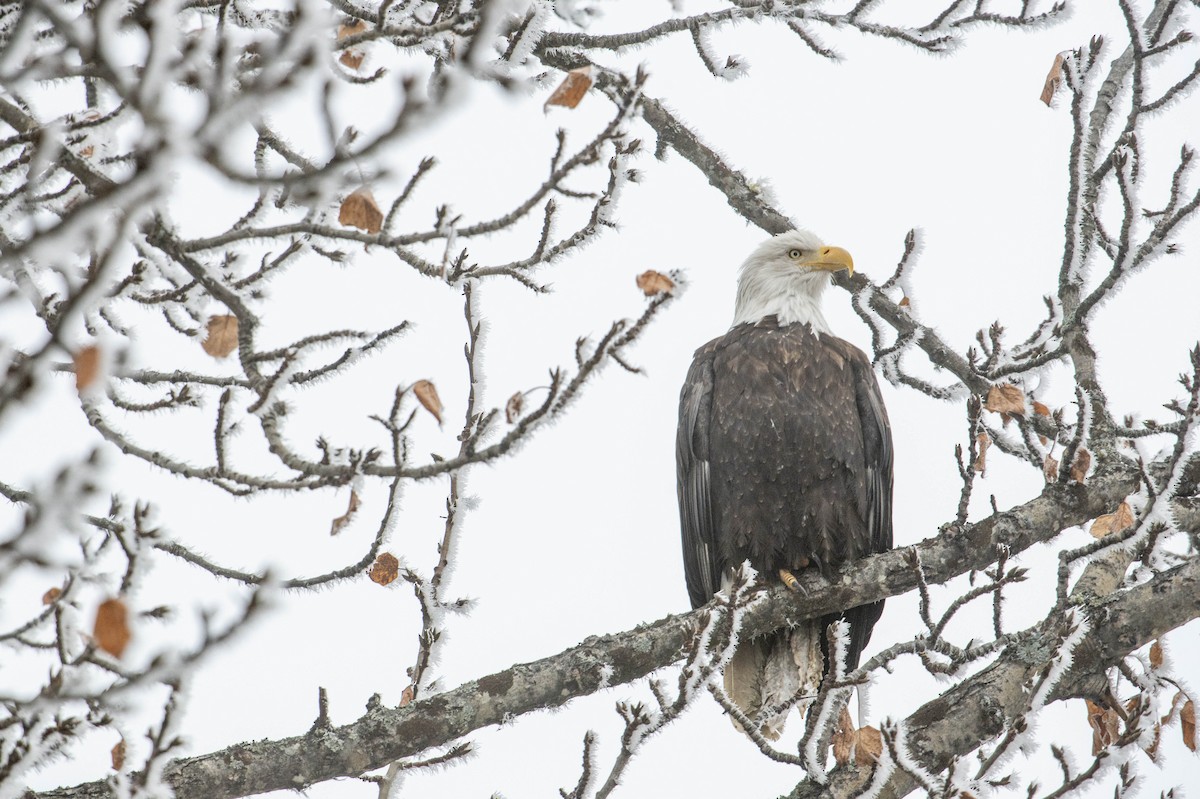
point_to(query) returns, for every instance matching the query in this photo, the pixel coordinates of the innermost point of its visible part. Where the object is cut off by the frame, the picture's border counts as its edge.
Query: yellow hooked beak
(831, 259)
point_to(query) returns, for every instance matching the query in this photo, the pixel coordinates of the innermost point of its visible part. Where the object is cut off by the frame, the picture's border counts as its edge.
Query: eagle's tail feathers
(743, 676)
(765, 675)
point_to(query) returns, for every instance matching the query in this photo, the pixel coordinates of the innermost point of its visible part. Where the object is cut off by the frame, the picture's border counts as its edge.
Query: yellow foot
(789, 580)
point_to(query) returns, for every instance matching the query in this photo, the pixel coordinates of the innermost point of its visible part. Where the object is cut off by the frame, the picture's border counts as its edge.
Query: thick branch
(954, 724)
(384, 735)
(747, 200)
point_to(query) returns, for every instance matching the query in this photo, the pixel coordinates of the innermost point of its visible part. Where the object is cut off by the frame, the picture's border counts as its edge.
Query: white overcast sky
(577, 534)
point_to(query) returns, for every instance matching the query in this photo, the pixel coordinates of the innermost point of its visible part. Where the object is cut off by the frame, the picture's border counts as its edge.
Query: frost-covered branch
(937, 34)
(159, 303)
(161, 308)
(605, 661)
(952, 724)
(988, 704)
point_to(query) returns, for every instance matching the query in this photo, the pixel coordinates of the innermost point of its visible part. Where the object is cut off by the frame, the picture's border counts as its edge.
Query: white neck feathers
(791, 295)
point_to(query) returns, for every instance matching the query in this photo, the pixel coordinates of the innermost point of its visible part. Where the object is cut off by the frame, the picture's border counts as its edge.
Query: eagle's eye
(795, 254)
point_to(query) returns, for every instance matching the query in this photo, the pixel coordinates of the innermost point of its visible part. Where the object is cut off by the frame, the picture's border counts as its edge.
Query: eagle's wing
(877, 454)
(877, 451)
(697, 522)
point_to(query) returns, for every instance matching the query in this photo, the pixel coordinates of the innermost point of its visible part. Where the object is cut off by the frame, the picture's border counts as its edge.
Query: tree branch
(983, 707)
(384, 735)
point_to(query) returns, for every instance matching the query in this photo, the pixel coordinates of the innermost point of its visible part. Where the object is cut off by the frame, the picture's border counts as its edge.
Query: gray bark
(383, 735)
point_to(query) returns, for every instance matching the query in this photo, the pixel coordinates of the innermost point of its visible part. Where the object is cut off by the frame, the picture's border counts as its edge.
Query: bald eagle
(784, 459)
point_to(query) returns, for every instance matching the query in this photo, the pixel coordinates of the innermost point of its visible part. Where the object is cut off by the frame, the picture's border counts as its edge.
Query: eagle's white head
(785, 276)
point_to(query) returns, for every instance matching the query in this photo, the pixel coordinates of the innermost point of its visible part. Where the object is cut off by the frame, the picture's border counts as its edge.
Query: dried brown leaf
(407, 697)
(360, 210)
(1187, 719)
(870, 746)
(572, 89)
(426, 393)
(348, 29)
(340, 522)
(51, 596)
(86, 148)
(1116, 522)
(1041, 410)
(1050, 469)
(1006, 399)
(982, 442)
(843, 739)
(904, 302)
(1156, 653)
(385, 569)
(1176, 701)
(514, 406)
(351, 57)
(118, 755)
(111, 630)
(1081, 464)
(1152, 749)
(651, 283)
(87, 367)
(1053, 79)
(862, 746)
(222, 337)
(1105, 724)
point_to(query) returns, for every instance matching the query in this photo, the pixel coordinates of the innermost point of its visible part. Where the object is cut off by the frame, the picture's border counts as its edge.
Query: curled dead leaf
(652, 283)
(843, 739)
(514, 406)
(360, 210)
(340, 522)
(862, 746)
(87, 367)
(51, 596)
(1156, 653)
(1081, 464)
(982, 442)
(1105, 724)
(426, 393)
(1152, 748)
(407, 697)
(870, 746)
(1050, 469)
(1006, 400)
(118, 755)
(348, 29)
(111, 630)
(1041, 410)
(222, 337)
(1176, 704)
(1053, 79)
(351, 57)
(385, 569)
(1187, 719)
(570, 92)
(86, 146)
(904, 302)
(1118, 521)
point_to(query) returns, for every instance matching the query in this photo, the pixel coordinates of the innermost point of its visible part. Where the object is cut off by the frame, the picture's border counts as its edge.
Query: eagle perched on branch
(784, 459)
